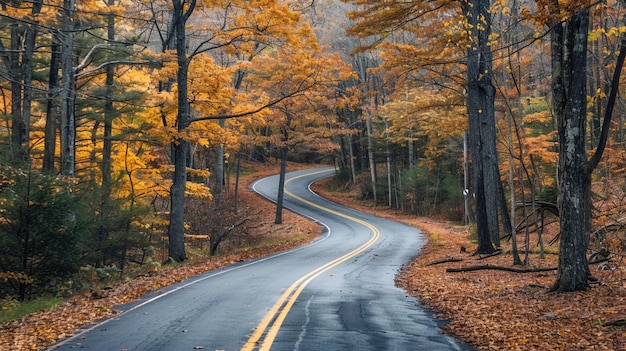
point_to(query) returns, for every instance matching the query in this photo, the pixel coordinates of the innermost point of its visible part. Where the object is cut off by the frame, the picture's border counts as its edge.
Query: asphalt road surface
(337, 293)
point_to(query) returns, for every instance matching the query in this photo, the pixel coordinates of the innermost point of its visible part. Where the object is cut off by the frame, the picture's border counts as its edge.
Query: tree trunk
(237, 174)
(176, 230)
(389, 182)
(481, 113)
(281, 184)
(351, 155)
(569, 50)
(370, 154)
(68, 123)
(27, 71)
(109, 115)
(18, 127)
(51, 113)
(466, 183)
(219, 165)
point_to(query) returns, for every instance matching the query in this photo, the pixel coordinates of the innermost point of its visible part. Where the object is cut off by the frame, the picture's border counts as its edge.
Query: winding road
(336, 293)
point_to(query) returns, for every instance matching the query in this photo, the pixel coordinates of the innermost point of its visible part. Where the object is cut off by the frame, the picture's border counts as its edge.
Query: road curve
(337, 293)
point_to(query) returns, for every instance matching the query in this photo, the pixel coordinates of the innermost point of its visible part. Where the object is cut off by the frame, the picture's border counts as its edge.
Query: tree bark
(30, 38)
(281, 184)
(388, 158)
(219, 165)
(68, 82)
(481, 113)
(11, 61)
(569, 45)
(370, 155)
(109, 115)
(176, 230)
(51, 113)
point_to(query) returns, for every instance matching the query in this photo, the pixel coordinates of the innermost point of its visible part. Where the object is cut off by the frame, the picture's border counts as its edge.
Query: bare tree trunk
(411, 150)
(388, 156)
(370, 153)
(68, 123)
(569, 51)
(30, 38)
(219, 166)
(176, 230)
(480, 106)
(466, 183)
(352, 165)
(11, 60)
(281, 184)
(514, 249)
(237, 174)
(109, 115)
(51, 113)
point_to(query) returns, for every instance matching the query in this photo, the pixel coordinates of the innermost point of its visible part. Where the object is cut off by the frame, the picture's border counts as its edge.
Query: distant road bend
(337, 293)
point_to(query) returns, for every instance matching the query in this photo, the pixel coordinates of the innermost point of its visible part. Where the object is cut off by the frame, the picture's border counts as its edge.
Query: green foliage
(432, 193)
(111, 226)
(534, 105)
(38, 233)
(344, 173)
(381, 190)
(550, 194)
(92, 278)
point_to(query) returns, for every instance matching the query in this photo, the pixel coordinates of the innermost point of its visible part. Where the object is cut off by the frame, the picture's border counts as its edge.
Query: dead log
(500, 268)
(445, 260)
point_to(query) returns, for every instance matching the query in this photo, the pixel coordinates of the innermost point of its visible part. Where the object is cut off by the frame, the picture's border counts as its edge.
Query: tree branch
(116, 62)
(445, 260)
(500, 268)
(296, 92)
(610, 104)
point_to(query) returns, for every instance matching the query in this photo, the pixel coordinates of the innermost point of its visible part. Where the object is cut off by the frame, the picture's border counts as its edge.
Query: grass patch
(13, 309)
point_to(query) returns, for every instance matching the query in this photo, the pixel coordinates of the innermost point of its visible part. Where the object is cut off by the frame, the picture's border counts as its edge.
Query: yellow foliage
(539, 117)
(429, 113)
(197, 190)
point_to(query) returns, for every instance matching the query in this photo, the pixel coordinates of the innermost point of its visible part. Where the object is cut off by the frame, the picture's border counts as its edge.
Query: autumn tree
(426, 120)
(236, 31)
(299, 65)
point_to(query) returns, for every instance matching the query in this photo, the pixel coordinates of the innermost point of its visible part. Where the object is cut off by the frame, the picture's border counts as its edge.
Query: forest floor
(490, 309)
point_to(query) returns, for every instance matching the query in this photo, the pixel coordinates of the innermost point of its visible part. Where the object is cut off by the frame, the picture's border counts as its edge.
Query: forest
(124, 123)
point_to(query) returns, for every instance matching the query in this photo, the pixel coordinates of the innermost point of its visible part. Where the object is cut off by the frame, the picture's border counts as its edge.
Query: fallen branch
(500, 268)
(445, 260)
(615, 322)
(498, 252)
(509, 269)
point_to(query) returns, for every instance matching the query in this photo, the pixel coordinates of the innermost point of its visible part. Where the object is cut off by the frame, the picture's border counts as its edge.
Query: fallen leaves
(498, 310)
(501, 310)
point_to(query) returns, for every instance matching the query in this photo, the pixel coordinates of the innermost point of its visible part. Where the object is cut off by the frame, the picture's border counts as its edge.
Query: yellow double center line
(264, 334)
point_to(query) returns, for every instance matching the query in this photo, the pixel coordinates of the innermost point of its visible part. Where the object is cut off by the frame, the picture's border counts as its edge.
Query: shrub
(38, 235)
